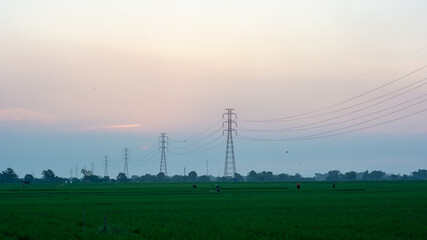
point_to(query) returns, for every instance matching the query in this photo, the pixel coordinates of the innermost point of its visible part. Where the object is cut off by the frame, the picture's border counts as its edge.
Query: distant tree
(421, 174)
(192, 176)
(135, 178)
(29, 178)
(252, 176)
(320, 176)
(148, 178)
(86, 173)
(8, 176)
(377, 175)
(238, 177)
(365, 176)
(204, 178)
(296, 177)
(333, 175)
(283, 177)
(75, 180)
(122, 177)
(161, 177)
(394, 177)
(106, 179)
(88, 176)
(266, 176)
(49, 175)
(350, 176)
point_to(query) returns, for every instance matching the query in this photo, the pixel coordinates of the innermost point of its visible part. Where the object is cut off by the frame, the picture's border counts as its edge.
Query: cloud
(21, 114)
(124, 126)
(109, 127)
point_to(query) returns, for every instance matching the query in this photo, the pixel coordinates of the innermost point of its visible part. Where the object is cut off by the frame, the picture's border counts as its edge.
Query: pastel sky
(83, 79)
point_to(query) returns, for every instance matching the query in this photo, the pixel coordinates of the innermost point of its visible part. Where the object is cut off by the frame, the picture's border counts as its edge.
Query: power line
(305, 126)
(329, 133)
(198, 147)
(196, 151)
(197, 141)
(339, 103)
(355, 105)
(371, 126)
(198, 134)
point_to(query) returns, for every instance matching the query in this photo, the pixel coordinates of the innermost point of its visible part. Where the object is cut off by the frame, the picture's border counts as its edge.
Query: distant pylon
(163, 142)
(92, 167)
(77, 171)
(230, 161)
(207, 168)
(105, 166)
(126, 159)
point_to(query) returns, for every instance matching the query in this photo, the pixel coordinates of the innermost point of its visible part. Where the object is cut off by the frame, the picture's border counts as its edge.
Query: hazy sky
(83, 79)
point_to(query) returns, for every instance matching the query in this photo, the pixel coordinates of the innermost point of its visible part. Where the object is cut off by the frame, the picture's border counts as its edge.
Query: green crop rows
(354, 210)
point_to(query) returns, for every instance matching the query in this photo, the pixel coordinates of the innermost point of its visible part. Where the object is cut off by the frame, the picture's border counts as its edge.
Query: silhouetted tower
(105, 166)
(207, 168)
(163, 142)
(230, 161)
(71, 173)
(92, 167)
(77, 171)
(126, 160)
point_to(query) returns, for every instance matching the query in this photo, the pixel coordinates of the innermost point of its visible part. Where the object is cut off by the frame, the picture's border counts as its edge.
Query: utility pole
(105, 166)
(230, 161)
(126, 159)
(77, 171)
(163, 142)
(207, 168)
(184, 171)
(91, 166)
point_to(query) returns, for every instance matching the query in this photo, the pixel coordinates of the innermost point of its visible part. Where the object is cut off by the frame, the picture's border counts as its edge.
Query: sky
(337, 84)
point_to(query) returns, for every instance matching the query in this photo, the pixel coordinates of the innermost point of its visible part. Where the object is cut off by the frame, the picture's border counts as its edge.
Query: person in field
(298, 186)
(333, 185)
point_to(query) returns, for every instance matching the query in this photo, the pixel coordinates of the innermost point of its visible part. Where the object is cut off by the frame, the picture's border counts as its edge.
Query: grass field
(354, 210)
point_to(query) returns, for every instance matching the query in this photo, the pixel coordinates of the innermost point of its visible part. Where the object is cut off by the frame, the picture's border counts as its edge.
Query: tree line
(48, 176)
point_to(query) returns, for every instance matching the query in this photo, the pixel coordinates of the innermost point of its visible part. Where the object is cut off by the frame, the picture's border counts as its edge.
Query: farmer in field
(298, 186)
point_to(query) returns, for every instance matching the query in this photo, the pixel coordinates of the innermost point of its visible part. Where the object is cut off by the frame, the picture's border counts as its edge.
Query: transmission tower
(230, 161)
(163, 142)
(105, 166)
(77, 171)
(92, 167)
(126, 159)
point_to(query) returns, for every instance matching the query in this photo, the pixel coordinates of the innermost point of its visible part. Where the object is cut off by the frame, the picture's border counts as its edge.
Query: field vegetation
(274, 210)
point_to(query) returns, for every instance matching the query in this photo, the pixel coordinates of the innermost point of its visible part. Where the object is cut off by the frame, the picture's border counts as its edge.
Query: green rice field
(353, 210)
